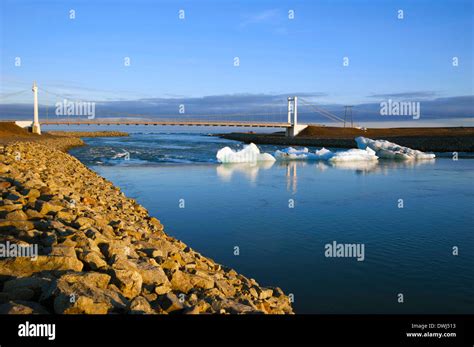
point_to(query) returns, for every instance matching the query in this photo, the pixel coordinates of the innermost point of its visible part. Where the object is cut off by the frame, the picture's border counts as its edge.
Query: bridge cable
(323, 112)
(13, 94)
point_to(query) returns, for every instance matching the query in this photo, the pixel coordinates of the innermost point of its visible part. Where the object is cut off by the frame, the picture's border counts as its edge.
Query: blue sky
(84, 58)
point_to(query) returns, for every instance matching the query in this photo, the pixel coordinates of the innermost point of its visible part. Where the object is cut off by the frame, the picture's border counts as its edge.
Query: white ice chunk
(324, 154)
(390, 150)
(294, 150)
(354, 155)
(249, 154)
(125, 154)
(291, 153)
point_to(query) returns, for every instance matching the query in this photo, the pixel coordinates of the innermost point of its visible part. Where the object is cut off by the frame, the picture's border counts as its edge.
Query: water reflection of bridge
(291, 177)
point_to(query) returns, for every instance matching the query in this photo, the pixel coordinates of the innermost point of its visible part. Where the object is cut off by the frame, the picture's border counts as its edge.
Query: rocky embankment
(99, 251)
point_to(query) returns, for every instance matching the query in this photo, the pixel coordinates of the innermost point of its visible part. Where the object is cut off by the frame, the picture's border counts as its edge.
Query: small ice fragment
(291, 153)
(324, 154)
(125, 155)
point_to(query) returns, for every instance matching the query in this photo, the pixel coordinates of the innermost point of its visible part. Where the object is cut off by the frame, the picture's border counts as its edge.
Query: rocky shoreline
(100, 252)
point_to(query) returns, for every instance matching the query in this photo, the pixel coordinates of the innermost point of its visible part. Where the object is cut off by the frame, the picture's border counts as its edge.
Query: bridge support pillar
(36, 129)
(295, 128)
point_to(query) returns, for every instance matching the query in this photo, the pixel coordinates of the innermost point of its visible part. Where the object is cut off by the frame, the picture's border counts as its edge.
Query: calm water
(407, 250)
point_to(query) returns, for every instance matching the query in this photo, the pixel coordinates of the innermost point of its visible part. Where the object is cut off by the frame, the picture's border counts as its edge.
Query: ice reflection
(359, 167)
(384, 166)
(380, 167)
(291, 178)
(249, 170)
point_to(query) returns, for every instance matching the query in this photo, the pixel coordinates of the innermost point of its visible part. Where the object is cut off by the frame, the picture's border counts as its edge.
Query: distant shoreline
(89, 133)
(459, 139)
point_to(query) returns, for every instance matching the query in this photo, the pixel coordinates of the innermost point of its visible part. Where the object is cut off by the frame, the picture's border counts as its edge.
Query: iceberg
(389, 150)
(324, 154)
(291, 153)
(368, 151)
(352, 155)
(249, 154)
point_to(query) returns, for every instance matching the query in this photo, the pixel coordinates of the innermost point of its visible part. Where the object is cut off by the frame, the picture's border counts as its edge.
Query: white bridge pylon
(36, 129)
(35, 125)
(295, 128)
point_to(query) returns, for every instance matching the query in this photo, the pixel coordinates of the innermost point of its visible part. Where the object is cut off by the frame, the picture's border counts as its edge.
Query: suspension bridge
(284, 117)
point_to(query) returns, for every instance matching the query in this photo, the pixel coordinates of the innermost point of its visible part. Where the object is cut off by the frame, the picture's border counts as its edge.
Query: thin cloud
(260, 17)
(248, 104)
(407, 95)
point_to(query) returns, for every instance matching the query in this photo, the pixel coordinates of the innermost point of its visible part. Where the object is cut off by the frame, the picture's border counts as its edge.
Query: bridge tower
(36, 125)
(293, 117)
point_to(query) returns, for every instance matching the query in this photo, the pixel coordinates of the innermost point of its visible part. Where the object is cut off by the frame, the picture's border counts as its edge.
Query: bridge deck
(177, 123)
